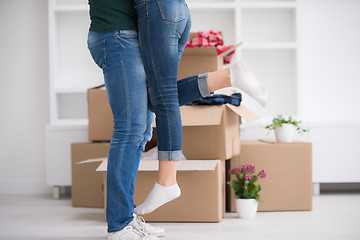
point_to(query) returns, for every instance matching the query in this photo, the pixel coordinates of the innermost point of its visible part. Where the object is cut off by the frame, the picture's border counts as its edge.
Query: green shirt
(112, 15)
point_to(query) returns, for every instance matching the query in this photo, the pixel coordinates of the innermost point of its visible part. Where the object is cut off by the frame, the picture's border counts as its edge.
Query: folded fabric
(217, 99)
(211, 39)
(152, 154)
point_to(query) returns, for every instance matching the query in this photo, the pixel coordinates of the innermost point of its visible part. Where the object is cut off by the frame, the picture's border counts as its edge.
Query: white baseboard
(24, 186)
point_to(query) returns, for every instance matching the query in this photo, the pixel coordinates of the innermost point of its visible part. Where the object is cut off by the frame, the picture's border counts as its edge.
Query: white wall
(330, 60)
(23, 95)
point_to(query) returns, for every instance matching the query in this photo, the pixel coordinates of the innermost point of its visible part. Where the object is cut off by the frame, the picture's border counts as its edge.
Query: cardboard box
(202, 185)
(213, 132)
(288, 184)
(87, 184)
(101, 121)
(197, 60)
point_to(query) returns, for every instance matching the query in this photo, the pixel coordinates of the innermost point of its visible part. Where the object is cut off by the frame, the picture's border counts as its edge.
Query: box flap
(227, 52)
(99, 86)
(92, 160)
(185, 165)
(243, 112)
(103, 166)
(200, 51)
(201, 115)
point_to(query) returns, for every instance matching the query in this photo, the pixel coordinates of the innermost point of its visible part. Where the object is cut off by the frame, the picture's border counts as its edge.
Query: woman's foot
(242, 78)
(158, 196)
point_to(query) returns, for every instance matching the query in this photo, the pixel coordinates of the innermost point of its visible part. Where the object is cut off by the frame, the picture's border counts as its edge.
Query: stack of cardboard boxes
(211, 137)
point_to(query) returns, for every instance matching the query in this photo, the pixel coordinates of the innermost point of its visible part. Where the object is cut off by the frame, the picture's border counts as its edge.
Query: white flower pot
(246, 208)
(285, 133)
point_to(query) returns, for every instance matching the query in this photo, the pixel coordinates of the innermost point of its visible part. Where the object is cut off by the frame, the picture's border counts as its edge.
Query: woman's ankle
(166, 182)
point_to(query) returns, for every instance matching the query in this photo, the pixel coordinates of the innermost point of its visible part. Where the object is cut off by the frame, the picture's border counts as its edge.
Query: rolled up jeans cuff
(170, 155)
(203, 85)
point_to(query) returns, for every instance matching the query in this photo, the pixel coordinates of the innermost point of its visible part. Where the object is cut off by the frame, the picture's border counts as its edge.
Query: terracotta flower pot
(246, 208)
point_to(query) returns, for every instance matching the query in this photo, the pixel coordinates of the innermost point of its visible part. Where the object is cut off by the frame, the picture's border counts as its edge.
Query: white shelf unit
(267, 28)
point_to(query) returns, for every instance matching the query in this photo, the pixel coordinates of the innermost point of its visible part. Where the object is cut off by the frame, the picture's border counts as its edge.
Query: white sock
(242, 78)
(158, 196)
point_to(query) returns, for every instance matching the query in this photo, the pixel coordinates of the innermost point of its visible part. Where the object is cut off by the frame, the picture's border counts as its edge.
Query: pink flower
(263, 174)
(246, 177)
(245, 186)
(251, 177)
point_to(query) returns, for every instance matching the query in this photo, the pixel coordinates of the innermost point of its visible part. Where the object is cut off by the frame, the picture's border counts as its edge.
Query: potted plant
(246, 191)
(285, 128)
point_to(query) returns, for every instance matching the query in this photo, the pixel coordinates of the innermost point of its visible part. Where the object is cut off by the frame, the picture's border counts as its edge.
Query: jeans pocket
(172, 10)
(98, 53)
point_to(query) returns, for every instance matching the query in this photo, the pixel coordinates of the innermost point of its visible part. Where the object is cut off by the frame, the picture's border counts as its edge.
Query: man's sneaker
(156, 231)
(131, 232)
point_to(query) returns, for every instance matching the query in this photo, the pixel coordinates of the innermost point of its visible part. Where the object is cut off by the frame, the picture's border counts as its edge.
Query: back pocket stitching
(168, 19)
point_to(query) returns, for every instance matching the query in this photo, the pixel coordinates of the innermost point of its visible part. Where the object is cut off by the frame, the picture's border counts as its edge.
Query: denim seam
(119, 52)
(105, 67)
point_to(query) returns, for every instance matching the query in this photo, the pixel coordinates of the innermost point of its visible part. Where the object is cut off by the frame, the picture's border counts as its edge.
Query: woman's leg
(118, 54)
(161, 24)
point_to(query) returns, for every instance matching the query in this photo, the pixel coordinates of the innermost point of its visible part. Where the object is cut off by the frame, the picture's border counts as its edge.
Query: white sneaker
(131, 232)
(156, 231)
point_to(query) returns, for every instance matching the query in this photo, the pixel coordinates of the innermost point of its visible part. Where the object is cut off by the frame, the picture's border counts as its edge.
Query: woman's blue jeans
(118, 55)
(164, 29)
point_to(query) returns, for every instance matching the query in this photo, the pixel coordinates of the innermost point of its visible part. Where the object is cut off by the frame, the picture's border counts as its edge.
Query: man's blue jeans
(118, 55)
(164, 29)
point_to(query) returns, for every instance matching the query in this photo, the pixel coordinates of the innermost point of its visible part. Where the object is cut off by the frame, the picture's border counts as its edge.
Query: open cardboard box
(202, 185)
(213, 132)
(197, 60)
(288, 184)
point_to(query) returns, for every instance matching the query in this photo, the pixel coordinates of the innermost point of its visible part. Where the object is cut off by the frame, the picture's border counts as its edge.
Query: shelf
(280, 45)
(211, 5)
(268, 5)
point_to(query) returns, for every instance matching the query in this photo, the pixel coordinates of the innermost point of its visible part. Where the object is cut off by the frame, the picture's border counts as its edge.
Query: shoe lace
(141, 221)
(141, 226)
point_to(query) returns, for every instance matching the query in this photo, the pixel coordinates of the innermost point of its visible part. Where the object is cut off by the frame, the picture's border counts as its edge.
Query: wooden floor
(335, 216)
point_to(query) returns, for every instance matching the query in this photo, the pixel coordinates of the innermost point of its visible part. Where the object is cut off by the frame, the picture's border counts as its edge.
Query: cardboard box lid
(212, 115)
(184, 165)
